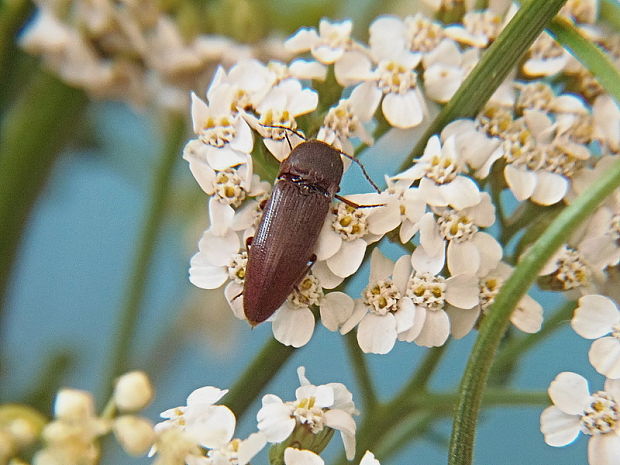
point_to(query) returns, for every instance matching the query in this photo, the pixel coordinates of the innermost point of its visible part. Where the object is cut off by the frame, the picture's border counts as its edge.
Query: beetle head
(316, 162)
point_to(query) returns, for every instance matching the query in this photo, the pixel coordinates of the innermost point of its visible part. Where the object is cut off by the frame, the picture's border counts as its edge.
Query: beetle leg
(356, 205)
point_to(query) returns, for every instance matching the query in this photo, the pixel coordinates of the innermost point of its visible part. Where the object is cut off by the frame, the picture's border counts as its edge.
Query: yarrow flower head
(316, 411)
(575, 410)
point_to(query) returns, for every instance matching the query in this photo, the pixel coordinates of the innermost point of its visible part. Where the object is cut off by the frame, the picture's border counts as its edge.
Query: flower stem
(360, 367)
(32, 134)
(160, 191)
(476, 373)
(492, 68)
(257, 375)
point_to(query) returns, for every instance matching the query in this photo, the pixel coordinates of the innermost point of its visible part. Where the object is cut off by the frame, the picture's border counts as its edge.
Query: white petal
(348, 259)
(354, 67)
(207, 395)
(441, 81)
(550, 188)
(249, 447)
(604, 356)
(234, 296)
(202, 172)
(384, 219)
(436, 329)
(559, 428)
(336, 308)
(278, 148)
(569, 392)
(490, 251)
(419, 317)
(329, 241)
(218, 250)
(461, 193)
(293, 326)
(595, 316)
(244, 139)
(463, 257)
(359, 311)
(521, 182)
(462, 321)
(604, 449)
(544, 66)
(369, 459)
(220, 217)
(528, 316)
(302, 40)
(325, 276)
(380, 266)
(220, 158)
(365, 99)
(405, 315)
(212, 427)
(425, 263)
(304, 69)
(401, 273)
(462, 290)
(204, 275)
(343, 422)
(377, 334)
(433, 194)
(301, 457)
(274, 419)
(403, 110)
(430, 238)
(200, 113)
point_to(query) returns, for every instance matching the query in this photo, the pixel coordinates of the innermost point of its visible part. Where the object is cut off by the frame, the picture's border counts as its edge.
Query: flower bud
(74, 404)
(133, 391)
(135, 434)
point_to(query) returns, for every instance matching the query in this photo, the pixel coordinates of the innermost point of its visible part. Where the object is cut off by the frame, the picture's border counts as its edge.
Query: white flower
(430, 294)
(299, 69)
(478, 28)
(597, 317)
(575, 410)
(315, 408)
(383, 312)
(546, 57)
(445, 69)
(280, 106)
(224, 138)
(347, 231)
(454, 236)
(527, 316)
(201, 421)
(411, 204)
(393, 79)
(328, 45)
(440, 173)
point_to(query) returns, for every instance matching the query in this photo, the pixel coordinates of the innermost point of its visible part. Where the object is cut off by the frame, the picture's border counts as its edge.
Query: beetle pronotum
(281, 251)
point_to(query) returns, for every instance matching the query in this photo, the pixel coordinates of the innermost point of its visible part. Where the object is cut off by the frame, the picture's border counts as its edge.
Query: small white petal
(377, 334)
(425, 263)
(220, 158)
(293, 326)
(343, 422)
(221, 217)
(430, 239)
(559, 428)
(274, 419)
(354, 67)
(403, 110)
(604, 356)
(336, 309)
(462, 290)
(204, 275)
(401, 273)
(301, 457)
(419, 317)
(244, 140)
(569, 392)
(521, 182)
(462, 321)
(207, 395)
(348, 259)
(325, 276)
(249, 447)
(490, 251)
(212, 427)
(528, 316)
(329, 241)
(405, 315)
(461, 193)
(436, 329)
(604, 449)
(595, 316)
(218, 250)
(302, 40)
(432, 193)
(369, 459)
(380, 266)
(550, 188)
(384, 219)
(463, 257)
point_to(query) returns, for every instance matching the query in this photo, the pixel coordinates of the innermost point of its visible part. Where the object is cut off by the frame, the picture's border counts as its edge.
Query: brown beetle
(281, 252)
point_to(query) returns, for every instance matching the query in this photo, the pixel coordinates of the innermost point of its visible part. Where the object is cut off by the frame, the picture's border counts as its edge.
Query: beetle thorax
(315, 162)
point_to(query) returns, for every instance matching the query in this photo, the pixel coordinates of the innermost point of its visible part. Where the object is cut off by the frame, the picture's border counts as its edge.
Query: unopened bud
(135, 434)
(74, 404)
(133, 391)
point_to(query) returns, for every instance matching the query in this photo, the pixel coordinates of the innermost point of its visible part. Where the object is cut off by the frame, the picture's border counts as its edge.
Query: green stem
(32, 135)
(257, 375)
(610, 12)
(476, 373)
(360, 368)
(591, 56)
(517, 347)
(492, 68)
(146, 245)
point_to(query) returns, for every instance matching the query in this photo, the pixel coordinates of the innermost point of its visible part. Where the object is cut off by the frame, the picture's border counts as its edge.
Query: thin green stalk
(495, 323)
(32, 135)
(610, 12)
(492, 68)
(257, 375)
(418, 383)
(517, 347)
(360, 368)
(591, 56)
(146, 245)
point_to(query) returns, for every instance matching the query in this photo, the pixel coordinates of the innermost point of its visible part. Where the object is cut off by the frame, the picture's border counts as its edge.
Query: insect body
(281, 251)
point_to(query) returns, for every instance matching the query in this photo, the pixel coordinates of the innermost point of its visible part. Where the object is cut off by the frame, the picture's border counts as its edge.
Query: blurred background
(69, 279)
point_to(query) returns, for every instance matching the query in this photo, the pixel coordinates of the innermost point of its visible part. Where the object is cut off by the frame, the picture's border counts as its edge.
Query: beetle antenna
(359, 163)
(275, 126)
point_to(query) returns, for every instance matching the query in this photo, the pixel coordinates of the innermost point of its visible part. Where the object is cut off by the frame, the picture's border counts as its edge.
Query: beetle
(281, 251)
